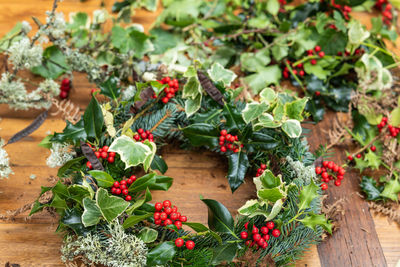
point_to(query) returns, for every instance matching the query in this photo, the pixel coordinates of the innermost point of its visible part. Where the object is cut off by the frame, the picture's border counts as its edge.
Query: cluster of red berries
(282, 3)
(357, 52)
(297, 70)
(394, 131)
(102, 153)
(350, 157)
(143, 135)
(229, 141)
(179, 242)
(173, 87)
(386, 8)
(317, 49)
(329, 171)
(65, 88)
(121, 187)
(167, 215)
(260, 170)
(258, 237)
(345, 9)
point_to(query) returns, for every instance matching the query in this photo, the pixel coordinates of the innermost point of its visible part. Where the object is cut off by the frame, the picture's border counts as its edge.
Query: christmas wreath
(176, 85)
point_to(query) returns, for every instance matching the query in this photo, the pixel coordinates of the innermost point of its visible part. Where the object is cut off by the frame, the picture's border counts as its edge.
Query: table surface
(362, 240)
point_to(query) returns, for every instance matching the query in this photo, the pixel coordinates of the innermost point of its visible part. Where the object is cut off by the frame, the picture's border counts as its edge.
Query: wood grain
(34, 243)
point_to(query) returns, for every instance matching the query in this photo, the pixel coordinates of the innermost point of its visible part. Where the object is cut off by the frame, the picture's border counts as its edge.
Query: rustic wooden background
(363, 239)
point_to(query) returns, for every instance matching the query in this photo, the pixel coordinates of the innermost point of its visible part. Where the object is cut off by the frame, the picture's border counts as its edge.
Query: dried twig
(69, 110)
(392, 213)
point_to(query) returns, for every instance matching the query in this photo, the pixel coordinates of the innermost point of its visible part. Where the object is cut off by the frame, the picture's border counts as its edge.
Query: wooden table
(362, 240)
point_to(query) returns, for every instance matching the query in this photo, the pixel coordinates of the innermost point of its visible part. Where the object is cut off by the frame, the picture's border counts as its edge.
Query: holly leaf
(151, 181)
(233, 116)
(198, 227)
(110, 206)
(372, 159)
(218, 73)
(202, 134)
(133, 153)
(103, 179)
(292, 128)
(148, 235)
(307, 194)
(71, 132)
(161, 254)
(159, 164)
(370, 188)
(110, 88)
(262, 141)
(253, 110)
(271, 194)
(224, 253)
(91, 213)
(93, 119)
(238, 164)
(312, 220)
(361, 164)
(263, 77)
(219, 218)
(391, 190)
(72, 219)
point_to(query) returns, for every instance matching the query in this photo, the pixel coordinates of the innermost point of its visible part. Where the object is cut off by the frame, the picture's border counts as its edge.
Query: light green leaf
(110, 206)
(103, 179)
(395, 117)
(134, 219)
(391, 190)
(91, 214)
(312, 220)
(218, 73)
(307, 194)
(267, 121)
(249, 207)
(253, 110)
(269, 180)
(357, 34)
(273, 7)
(292, 128)
(280, 51)
(372, 159)
(294, 109)
(148, 235)
(192, 105)
(276, 208)
(271, 195)
(267, 95)
(255, 61)
(192, 88)
(263, 77)
(109, 122)
(224, 253)
(317, 70)
(133, 153)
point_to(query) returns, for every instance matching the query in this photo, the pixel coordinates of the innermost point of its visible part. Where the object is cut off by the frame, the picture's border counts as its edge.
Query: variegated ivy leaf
(249, 207)
(192, 88)
(110, 206)
(268, 95)
(271, 194)
(91, 213)
(190, 72)
(266, 120)
(253, 110)
(294, 110)
(133, 153)
(193, 105)
(276, 208)
(292, 128)
(357, 34)
(218, 73)
(269, 180)
(108, 121)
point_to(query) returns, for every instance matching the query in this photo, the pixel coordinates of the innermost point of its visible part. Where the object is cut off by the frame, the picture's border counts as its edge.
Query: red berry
(94, 90)
(330, 165)
(123, 186)
(167, 222)
(163, 216)
(222, 138)
(223, 148)
(317, 48)
(178, 224)
(104, 155)
(165, 100)
(179, 242)
(263, 166)
(324, 175)
(182, 218)
(190, 245)
(118, 191)
(276, 233)
(338, 182)
(349, 157)
(317, 93)
(340, 177)
(324, 186)
(261, 242)
(246, 224)
(65, 82)
(156, 215)
(244, 235)
(63, 94)
(111, 154)
(321, 54)
(325, 163)
(143, 135)
(223, 132)
(167, 203)
(302, 73)
(128, 198)
(133, 178)
(341, 171)
(256, 237)
(123, 182)
(98, 154)
(373, 148)
(173, 216)
(313, 61)
(228, 136)
(358, 156)
(336, 168)
(264, 230)
(168, 210)
(136, 137)
(266, 237)
(110, 159)
(158, 222)
(113, 190)
(158, 206)
(270, 225)
(105, 148)
(116, 184)
(125, 192)
(318, 170)
(255, 230)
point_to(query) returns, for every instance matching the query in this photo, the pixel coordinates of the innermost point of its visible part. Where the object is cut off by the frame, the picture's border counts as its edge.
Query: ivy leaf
(93, 119)
(269, 180)
(238, 164)
(78, 20)
(59, 204)
(253, 110)
(279, 51)
(133, 153)
(191, 88)
(224, 253)
(202, 134)
(131, 40)
(295, 108)
(271, 194)
(312, 220)
(357, 34)
(161, 254)
(103, 179)
(148, 235)
(255, 61)
(110, 206)
(71, 132)
(292, 128)
(268, 95)
(54, 63)
(263, 77)
(218, 73)
(159, 164)
(193, 105)
(91, 214)
(391, 190)
(110, 88)
(219, 218)
(332, 41)
(249, 207)
(307, 194)
(370, 188)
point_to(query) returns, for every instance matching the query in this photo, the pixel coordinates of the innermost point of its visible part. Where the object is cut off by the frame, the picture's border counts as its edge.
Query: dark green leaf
(72, 132)
(234, 119)
(161, 254)
(53, 64)
(370, 188)
(224, 253)
(110, 88)
(93, 119)
(262, 141)
(72, 219)
(68, 165)
(103, 179)
(238, 164)
(159, 164)
(202, 134)
(198, 227)
(219, 217)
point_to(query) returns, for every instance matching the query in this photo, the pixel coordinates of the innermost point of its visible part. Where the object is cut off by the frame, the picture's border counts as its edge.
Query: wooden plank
(356, 242)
